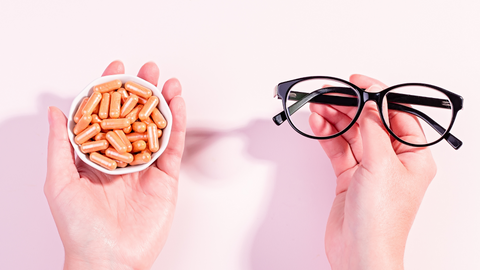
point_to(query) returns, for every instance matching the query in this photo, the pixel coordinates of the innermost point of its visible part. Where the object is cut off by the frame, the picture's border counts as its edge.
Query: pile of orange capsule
(119, 125)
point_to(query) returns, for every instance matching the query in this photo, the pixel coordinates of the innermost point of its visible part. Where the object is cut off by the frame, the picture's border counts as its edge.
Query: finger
(418, 160)
(407, 128)
(116, 67)
(375, 138)
(403, 125)
(171, 89)
(60, 158)
(351, 111)
(365, 82)
(337, 149)
(341, 117)
(170, 160)
(150, 73)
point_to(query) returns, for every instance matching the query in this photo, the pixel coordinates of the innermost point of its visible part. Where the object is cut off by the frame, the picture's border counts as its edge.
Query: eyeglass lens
(414, 110)
(322, 107)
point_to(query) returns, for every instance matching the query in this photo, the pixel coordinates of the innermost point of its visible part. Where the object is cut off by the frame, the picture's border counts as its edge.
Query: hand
(114, 222)
(380, 185)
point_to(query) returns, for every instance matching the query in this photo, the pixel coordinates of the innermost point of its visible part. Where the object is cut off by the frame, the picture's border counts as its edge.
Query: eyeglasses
(415, 114)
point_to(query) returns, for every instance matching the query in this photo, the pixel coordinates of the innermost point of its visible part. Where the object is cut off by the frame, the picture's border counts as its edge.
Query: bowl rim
(162, 106)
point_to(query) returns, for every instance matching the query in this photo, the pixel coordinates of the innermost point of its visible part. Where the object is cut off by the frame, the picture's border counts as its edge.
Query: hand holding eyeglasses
(381, 175)
(380, 185)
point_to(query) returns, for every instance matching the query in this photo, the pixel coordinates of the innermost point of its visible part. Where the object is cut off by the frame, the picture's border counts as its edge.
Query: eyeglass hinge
(275, 92)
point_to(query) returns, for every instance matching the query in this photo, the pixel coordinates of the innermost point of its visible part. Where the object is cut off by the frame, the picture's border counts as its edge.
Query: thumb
(60, 158)
(375, 138)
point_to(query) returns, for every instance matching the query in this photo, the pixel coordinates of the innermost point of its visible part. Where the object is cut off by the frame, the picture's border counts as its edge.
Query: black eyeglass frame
(283, 89)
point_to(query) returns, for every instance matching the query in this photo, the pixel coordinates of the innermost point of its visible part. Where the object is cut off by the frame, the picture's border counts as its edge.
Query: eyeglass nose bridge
(375, 96)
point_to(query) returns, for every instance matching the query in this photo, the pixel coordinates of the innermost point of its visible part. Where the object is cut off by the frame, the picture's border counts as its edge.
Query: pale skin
(380, 185)
(122, 222)
(114, 222)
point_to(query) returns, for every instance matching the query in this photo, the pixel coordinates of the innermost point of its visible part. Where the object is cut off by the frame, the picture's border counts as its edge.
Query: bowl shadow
(291, 234)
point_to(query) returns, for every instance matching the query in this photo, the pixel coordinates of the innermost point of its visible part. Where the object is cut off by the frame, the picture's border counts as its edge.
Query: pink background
(252, 195)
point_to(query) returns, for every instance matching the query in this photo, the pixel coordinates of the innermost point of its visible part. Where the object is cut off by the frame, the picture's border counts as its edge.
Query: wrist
(368, 254)
(81, 264)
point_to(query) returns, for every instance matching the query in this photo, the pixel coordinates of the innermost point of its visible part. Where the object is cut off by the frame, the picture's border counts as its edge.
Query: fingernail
(374, 88)
(49, 116)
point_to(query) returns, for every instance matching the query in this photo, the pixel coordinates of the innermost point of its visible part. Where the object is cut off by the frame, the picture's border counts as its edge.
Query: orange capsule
(128, 105)
(79, 112)
(121, 164)
(148, 121)
(92, 102)
(104, 106)
(115, 98)
(142, 100)
(146, 151)
(124, 94)
(116, 142)
(124, 138)
(108, 86)
(153, 144)
(96, 119)
(158, 119)
(141, 158)
(133, 137)
(115, 123)
(147, 109)
(127, 129)
(101, 136)
(103, 161)
(82, 124)
(94, 146)
(138, 90)
(87, 134)
(125, 157)
(97, 108)
(138, 146)
(159, 133)
(139, 127)
(133, 115)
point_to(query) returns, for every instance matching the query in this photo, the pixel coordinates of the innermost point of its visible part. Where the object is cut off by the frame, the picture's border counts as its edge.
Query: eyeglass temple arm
(304, 98)
(315, 97)
(346, 101)
(392, 97)
(419, 100)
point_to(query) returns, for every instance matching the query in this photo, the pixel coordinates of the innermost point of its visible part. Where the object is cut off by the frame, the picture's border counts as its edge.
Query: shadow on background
(291, 236)
(28, 236)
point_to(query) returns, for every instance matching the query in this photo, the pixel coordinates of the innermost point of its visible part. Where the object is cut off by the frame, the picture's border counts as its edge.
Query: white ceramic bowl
(162, 106)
